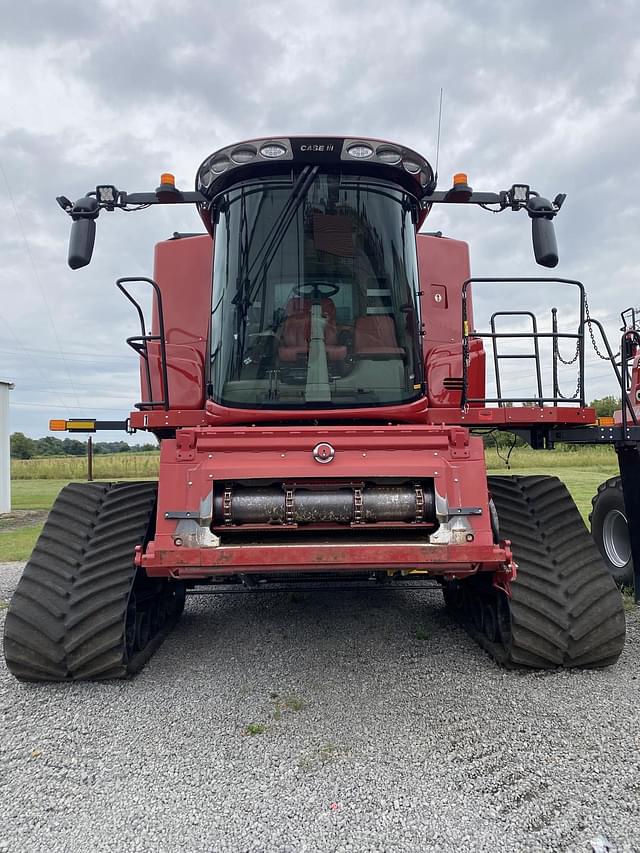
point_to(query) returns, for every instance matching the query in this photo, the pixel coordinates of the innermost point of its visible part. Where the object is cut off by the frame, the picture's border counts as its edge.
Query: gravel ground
(385, 729)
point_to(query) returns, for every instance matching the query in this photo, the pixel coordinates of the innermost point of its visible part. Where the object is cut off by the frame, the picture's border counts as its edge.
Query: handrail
(140, 343)
(534, 335)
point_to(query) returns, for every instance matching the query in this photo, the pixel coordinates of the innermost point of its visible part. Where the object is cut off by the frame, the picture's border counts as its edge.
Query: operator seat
(375, 337)
(296, 330)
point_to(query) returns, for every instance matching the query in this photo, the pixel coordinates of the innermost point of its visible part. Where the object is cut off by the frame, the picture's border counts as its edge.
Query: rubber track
(66, 618)
(566, 609)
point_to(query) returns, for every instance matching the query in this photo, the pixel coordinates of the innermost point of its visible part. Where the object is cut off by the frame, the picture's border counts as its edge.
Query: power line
(33, 361)
(79, 354)
(36, 275)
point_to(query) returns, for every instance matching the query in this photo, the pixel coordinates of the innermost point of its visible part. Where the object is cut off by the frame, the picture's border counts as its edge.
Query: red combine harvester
(314, 376)
(609, 526)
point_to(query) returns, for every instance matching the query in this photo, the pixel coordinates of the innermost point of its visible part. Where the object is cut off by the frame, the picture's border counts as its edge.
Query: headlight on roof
(387, 154)
(244, 154)
(273, 150)
(360, 151)
(411, 166)
(220, 165)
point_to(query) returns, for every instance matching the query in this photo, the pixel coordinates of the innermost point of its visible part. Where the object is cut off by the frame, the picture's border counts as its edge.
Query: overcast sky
(118, 91)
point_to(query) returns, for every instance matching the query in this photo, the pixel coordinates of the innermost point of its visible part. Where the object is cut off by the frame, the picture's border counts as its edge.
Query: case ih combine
(609, 525)
(314, 376)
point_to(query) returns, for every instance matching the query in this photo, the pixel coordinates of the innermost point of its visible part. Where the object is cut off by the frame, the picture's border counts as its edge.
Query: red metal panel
(442, 263)
(514, 416)
(191, 465)
(226, 560)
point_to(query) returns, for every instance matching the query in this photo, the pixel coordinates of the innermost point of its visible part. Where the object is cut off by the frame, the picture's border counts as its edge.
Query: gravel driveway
(327, 722)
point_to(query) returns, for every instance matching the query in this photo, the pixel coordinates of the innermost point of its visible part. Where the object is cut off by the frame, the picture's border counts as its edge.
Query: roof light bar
(362, 156)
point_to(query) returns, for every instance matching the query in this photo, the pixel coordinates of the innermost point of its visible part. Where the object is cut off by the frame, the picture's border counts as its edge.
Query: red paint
(205, 444)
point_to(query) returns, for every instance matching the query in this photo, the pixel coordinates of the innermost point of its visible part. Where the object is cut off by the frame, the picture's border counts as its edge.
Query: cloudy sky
(118, 91)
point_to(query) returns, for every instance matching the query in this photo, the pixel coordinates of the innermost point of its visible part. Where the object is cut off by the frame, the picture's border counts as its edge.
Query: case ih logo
(313, 150)
(317, 147)
(323, 452)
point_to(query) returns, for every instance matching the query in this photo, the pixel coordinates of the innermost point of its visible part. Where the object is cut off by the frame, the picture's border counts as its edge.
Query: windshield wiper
(279, 228)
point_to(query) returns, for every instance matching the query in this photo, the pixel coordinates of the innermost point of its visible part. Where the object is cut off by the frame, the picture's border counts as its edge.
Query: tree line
(23, 447)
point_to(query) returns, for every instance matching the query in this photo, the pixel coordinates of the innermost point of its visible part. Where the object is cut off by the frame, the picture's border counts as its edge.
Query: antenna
(435, 179)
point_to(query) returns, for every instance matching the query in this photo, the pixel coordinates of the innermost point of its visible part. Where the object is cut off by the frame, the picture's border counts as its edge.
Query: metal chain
(593, 339)
(576, 396)
(591, 335)
(568, 361)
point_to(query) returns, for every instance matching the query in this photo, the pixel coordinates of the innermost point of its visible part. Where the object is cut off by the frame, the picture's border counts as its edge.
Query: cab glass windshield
(315, 294)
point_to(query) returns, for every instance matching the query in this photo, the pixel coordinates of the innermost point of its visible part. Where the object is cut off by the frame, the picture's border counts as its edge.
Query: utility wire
(37, 277)
(33, 361)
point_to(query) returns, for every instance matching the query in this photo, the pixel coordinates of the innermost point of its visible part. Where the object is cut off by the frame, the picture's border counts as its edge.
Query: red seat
(296, 331)
(375, 337)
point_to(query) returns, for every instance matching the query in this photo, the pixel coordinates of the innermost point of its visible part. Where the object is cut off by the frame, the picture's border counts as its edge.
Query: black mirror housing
(543, 234)
(81, 242)
(83, 232)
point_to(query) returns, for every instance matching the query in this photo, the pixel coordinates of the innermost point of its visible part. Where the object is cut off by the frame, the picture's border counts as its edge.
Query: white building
(5, 457)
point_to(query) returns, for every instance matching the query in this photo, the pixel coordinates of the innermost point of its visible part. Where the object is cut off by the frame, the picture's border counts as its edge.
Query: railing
(140, 343)
(534, 335)
(630, 341)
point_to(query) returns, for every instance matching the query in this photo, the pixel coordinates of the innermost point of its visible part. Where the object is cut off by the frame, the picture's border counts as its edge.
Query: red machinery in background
(314, 376)
(609, 516)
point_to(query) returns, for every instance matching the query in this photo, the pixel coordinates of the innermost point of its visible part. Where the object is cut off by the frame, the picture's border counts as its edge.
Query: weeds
(317, 759)
(255, 729)
(628, 599)
(289, 703)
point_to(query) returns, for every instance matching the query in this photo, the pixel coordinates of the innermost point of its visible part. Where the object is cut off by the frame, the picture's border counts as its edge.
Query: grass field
(128, 466)
(37, 481)
(117, 466)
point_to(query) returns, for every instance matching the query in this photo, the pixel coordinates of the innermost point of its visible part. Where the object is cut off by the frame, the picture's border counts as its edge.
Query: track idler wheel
(81, 610)
(565, 609)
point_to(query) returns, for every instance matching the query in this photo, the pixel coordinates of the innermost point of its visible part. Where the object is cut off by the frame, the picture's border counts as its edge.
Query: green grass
(35, 494)
(255, 729)
(107, 466)
(18, 544)
(582, 484)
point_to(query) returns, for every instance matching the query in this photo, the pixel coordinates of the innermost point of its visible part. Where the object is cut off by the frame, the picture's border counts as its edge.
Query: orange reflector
(606, 421)
(460, 178)
(74, 425)
(167, 178)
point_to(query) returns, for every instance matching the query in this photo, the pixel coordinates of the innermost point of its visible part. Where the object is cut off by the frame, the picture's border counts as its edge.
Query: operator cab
(315, 283)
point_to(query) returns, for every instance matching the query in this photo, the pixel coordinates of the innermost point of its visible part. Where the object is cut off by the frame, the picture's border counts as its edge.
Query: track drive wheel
(610, 531)
(81, 610)
(565, 609)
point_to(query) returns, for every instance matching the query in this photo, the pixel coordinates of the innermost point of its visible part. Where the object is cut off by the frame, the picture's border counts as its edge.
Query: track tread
(66, 617)
(565, 608)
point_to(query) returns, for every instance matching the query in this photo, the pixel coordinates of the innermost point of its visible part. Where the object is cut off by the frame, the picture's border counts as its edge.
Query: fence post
(90, 459)
(5, 453)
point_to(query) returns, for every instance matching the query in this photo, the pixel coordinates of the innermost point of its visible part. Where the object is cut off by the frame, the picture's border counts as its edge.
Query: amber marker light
(167, 179)
(460, 179)
(57, 426)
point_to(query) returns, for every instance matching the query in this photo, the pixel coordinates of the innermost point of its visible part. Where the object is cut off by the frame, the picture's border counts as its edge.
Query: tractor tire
(81, 610)
(610, 531)
(565, 609)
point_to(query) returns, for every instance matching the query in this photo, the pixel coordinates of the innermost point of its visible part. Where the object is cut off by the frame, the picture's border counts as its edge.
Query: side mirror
(543, 234)
(83, 232)
(81, 241)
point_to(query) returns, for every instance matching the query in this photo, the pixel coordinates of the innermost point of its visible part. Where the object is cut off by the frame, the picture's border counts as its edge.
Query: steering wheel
(316, 289)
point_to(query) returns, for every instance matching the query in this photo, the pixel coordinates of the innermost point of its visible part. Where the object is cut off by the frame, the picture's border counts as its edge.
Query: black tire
(69, 616)
(565, 609)
(610, 531)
